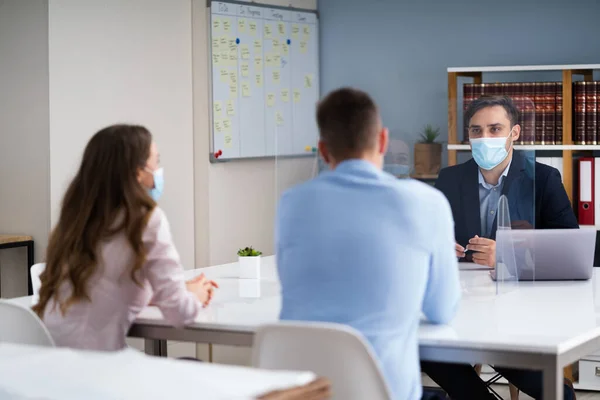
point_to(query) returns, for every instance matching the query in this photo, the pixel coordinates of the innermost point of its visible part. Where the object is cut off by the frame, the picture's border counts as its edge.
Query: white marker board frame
(264, 86)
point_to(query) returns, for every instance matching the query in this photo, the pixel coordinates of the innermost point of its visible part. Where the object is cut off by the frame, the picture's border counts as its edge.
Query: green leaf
(429, 134)
(248, 252)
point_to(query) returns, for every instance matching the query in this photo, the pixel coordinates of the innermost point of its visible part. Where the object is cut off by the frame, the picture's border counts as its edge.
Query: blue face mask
(159, 184)
(489, 152)
(397, 169)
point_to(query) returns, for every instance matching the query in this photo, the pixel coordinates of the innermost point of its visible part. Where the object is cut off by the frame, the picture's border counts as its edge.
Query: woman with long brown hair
(111, 252)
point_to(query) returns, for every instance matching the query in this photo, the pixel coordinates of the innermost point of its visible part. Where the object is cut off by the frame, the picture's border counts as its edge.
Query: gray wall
(24, 143)
(398, 50)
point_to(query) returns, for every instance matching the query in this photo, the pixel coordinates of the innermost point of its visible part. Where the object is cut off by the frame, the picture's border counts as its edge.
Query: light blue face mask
(489, 152)
(397, 169)
(159, 184)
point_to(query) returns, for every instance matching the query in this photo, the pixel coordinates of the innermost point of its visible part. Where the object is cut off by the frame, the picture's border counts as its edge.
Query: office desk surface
(29, 372)
(538, 317)
(533, 325)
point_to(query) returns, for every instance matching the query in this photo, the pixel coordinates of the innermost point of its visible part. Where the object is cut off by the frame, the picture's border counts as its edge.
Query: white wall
(130, 61)
(24, 188)
(235, 201)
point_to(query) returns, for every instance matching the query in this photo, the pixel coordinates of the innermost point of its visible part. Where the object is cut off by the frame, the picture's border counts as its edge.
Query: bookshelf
(537, 147)
(567, 147)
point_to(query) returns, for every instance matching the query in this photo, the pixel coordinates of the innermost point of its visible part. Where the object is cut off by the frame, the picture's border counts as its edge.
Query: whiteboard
(265, 81)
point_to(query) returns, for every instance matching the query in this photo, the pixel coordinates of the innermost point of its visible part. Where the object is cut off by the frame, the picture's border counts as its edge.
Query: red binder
(586, 191)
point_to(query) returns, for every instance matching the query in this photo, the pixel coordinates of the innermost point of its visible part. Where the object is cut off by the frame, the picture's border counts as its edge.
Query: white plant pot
(249, 267)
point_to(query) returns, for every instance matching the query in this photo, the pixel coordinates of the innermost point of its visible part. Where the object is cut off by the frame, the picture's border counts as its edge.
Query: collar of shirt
(356, 164)
(488, 186)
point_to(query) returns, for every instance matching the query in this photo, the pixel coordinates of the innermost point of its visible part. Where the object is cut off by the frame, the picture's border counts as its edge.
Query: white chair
(20, 325)
(332, 351)
(36, 283)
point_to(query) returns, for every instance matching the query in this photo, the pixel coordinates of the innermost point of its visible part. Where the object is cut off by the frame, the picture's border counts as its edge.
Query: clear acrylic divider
(515, 235)
(506, 272)
(397, 159)
(293, 165)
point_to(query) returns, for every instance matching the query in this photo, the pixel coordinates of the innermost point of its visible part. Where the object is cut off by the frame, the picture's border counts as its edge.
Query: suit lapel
(470, 196)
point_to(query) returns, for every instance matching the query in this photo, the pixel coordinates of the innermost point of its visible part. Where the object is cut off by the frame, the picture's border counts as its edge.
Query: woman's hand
(202, 287)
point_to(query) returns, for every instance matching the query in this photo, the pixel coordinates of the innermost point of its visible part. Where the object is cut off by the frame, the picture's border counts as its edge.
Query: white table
(28, 372)
(537, 325)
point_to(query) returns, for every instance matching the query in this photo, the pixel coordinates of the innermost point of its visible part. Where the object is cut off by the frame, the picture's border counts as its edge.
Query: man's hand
(460, 251)
(484, 251)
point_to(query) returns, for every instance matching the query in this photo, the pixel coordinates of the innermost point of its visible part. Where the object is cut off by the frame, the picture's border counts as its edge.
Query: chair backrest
(36, 283)
(20, 325)
(333, 351)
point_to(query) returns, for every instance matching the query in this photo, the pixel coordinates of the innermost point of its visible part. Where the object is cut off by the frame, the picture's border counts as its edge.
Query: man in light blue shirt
(359, 247)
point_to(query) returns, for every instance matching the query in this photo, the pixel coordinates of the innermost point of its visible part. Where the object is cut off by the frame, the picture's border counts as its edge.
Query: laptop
(546, 254)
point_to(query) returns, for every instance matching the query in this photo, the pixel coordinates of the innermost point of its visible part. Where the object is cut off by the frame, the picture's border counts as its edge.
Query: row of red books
(539, 105)
(586, 109)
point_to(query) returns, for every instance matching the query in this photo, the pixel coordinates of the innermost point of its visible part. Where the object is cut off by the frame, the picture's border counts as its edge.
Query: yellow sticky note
(215, 44)
(270, 99)
(296, 96)
(285, 95)
(233, 57)
(216, 59)
(281, 28)
(276, 48)
(308, 79)
(226, 125)
(303, 47)
(233, 78)
(276, 60)
(295, 31)
(216, 24)
(223, 42)
(230, 108)
(306, 30)
(226, 26)
(233, 90)
(232, 46)
(276, 76)
(285, 49)
(252, 27)
(225, 58)
(268, 30)
(246, 89)
(269, 60)
(259, 80)
(217, 108)
(241, 25)
(218, 125)
(258, 45)
(224, 76)
(279, 118)
(258, 62)
(245, 52)
(245, 68)
(228, 141)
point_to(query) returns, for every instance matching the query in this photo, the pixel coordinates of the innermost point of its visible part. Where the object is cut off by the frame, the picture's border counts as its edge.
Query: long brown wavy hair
(105, 188)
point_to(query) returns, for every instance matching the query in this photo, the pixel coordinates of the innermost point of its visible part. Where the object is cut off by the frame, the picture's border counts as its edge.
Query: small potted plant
(249, 261)
(428, 153)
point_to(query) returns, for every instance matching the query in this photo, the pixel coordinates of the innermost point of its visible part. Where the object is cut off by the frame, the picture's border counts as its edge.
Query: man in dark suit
(536, 198)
